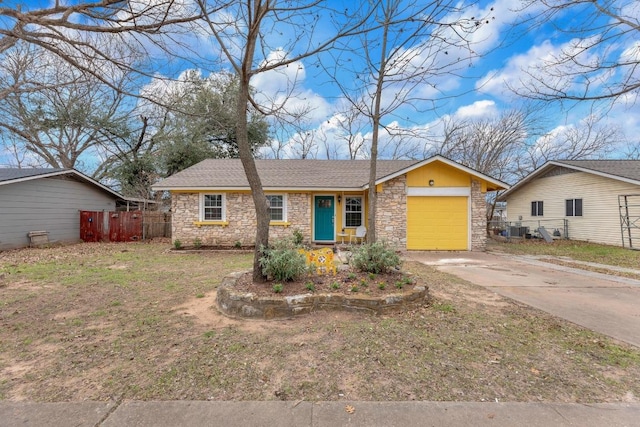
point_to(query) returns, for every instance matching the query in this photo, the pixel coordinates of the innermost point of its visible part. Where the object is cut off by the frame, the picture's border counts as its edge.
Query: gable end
(557, 171)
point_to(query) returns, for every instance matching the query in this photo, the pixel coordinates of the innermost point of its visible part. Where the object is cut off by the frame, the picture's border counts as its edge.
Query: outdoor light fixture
(339, 198)
(431, 182)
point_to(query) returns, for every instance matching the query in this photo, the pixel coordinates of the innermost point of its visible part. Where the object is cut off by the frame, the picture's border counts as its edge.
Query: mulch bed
(343, 282)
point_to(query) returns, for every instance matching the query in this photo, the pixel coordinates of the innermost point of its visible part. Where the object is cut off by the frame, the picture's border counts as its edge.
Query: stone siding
(391, 217)
(241, 218)
(478, 217)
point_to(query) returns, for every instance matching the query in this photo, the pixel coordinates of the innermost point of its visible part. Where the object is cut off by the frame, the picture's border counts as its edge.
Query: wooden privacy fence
(156, 224)
(117, 226)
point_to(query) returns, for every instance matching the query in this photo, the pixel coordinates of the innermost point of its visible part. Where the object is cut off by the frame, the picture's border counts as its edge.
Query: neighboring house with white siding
(47, 200)
(587, 196)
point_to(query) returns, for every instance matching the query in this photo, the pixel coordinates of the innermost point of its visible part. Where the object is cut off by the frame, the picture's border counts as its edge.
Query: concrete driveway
(603, 303)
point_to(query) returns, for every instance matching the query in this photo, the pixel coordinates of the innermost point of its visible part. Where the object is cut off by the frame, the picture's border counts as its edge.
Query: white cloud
(477, 110)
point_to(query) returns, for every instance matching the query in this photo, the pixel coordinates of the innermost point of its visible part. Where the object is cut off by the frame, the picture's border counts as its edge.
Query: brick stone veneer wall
(241, 216)
(391, 218)
(478, 217)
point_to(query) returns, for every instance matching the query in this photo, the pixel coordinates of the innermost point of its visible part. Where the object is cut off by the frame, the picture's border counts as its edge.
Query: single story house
(49, 201)
(588, 197)
(434, 204)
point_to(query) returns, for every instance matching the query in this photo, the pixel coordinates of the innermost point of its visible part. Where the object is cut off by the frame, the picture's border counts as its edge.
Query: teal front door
(324, 214)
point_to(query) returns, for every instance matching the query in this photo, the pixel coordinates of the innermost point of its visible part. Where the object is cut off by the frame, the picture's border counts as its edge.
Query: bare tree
(632, 150)
(248, 33)
(512, 145)
(601, 61)
(100, 37)
(63, 120)
(589, 139)
(294, 136)
(489, 145)
(406, 48)
(305, 145)
(351, 125)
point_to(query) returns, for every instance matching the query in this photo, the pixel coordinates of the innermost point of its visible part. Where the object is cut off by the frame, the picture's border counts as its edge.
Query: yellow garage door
(437, 223)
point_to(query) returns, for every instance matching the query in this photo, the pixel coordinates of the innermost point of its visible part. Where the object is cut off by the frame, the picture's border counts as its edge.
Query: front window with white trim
(212, 207)
(353, 211)
(277, 207)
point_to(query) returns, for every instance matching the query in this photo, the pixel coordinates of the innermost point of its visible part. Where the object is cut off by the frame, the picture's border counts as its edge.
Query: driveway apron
(603, 303)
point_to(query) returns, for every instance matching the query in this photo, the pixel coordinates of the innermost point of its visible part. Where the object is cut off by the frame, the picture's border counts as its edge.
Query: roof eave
(247, 188)
(73, 172)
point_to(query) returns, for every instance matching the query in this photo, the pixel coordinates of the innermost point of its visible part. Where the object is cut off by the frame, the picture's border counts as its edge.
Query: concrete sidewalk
(282, 414)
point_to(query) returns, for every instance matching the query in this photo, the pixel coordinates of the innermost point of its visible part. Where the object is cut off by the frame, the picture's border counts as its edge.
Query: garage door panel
(437, 223)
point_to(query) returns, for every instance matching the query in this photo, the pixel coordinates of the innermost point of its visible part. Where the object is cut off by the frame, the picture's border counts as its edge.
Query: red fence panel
(92, 226)
(125, 226)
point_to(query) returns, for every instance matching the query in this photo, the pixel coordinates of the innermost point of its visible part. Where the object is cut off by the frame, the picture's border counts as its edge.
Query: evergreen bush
(282, 261)
(374, 258)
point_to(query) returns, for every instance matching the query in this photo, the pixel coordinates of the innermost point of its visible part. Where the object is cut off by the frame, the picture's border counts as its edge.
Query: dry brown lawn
(138, 321)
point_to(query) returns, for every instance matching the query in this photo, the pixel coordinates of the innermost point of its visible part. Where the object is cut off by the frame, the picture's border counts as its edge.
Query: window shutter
(569, 207)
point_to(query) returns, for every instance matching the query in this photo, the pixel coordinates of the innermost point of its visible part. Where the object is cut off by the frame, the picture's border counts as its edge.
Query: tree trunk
(244, 149)
(373, 196)
(250, 169)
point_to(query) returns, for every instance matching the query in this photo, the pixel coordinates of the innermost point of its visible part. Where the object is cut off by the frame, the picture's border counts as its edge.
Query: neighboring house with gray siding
(584, 193)
(47, 200)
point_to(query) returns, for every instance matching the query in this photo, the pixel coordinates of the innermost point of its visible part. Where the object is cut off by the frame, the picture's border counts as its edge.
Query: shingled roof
(629, 169)
(290, 174)
(11, 174)
(621, 170)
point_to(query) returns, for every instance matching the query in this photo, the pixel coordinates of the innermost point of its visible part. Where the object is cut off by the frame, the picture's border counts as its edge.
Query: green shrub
(298, 237)
(282, 261)
(335, 286)
(237, 244)
(177, 244)
(278, 287)
(310, 287)
(197, 243)
(374, 258)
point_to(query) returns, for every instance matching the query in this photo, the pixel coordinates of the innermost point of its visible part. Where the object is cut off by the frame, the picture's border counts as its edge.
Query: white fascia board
(439, 191)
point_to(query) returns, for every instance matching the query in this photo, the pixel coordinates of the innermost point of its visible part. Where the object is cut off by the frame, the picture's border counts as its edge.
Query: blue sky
(482, 89)
(479, 88)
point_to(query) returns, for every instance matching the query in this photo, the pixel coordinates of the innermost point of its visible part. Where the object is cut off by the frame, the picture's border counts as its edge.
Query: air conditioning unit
(518, 231)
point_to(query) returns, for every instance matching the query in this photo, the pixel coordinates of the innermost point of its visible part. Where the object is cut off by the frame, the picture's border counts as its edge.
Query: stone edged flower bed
(251, 306)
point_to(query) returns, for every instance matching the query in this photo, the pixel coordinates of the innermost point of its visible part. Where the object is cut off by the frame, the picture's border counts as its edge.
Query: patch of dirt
(345, 282)
(204, 311)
